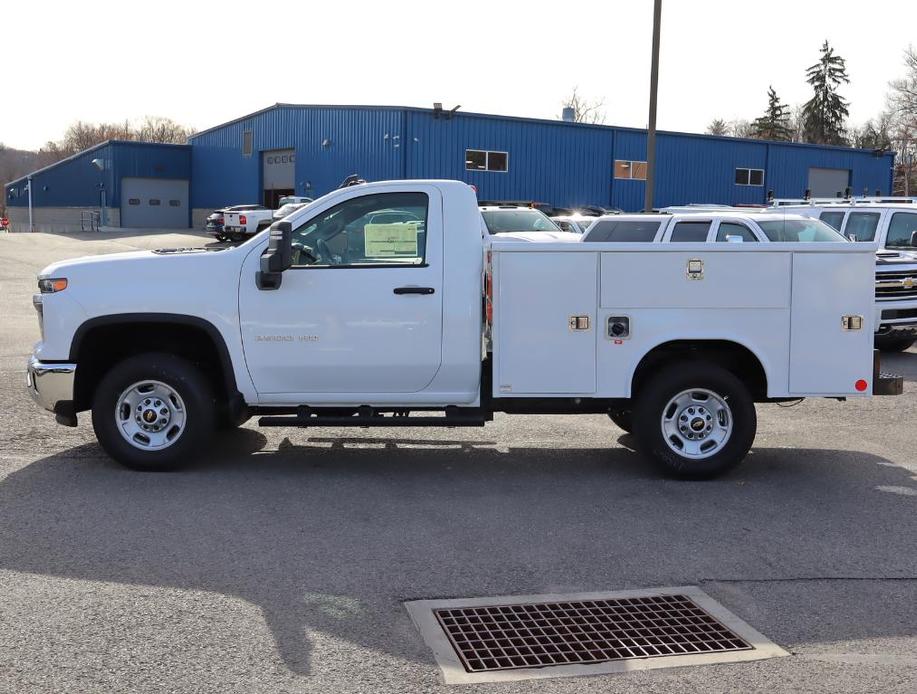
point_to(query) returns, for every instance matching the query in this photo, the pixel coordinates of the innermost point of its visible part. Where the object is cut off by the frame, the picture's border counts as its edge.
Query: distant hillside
(18, 162)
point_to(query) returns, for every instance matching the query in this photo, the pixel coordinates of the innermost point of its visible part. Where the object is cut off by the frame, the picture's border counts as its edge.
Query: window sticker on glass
(391, 240)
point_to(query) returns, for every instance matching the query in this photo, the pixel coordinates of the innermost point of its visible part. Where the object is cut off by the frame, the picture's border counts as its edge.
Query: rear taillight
(243, 219)
(220, 219)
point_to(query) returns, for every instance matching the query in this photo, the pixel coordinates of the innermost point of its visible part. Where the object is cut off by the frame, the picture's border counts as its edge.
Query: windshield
(505, 221)
(799, 230)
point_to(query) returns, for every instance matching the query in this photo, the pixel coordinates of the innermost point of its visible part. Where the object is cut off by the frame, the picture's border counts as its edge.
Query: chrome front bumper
(51, 385)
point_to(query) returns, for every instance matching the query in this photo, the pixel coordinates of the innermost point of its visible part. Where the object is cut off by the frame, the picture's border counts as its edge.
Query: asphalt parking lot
(280, 561)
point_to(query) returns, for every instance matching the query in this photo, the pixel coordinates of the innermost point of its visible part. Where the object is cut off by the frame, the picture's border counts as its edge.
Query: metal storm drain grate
(549, 636)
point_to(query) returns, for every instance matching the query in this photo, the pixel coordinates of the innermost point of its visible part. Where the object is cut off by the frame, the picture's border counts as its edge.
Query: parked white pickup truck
(238, 225)
(422, 318)
(893, 228)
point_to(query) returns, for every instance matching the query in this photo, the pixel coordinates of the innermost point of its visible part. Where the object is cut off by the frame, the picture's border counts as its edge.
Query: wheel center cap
(697, 424)
(149, 416)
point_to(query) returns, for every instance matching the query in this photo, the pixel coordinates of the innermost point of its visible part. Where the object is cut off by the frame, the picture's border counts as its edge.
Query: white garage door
(154, 203)
(827, 183)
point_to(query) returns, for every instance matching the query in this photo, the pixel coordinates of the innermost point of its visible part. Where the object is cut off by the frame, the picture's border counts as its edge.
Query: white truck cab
(384, 304)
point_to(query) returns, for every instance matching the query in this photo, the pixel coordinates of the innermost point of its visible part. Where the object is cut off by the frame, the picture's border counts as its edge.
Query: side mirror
(278, 256)
(852, 237)
(914, 238)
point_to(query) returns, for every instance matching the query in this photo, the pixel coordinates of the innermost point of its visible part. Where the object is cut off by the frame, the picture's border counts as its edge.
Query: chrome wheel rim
(150, 415)
(696, 423)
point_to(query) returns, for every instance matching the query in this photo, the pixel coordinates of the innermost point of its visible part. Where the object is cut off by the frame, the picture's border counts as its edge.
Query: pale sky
(205, 63)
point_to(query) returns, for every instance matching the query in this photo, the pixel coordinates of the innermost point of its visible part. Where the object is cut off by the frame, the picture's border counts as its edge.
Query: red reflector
(861, 385)
(243, 219)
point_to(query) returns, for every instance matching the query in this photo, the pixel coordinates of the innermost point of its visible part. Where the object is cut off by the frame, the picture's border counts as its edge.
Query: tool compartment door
(826, 358)
(536, 349)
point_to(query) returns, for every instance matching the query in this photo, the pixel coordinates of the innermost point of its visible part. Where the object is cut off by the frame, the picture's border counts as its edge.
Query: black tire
(237, 237)
(894, 343)
(651, 403)
(623, 419)
(179, 375)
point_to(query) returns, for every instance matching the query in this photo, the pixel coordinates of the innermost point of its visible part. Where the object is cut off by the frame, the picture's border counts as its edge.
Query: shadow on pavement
(331, 535)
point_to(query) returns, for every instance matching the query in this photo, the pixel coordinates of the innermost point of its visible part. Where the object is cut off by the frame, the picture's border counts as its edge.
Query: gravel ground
(280, 561)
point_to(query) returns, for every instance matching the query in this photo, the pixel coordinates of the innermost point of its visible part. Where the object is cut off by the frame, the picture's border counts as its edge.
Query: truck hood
(62, 267)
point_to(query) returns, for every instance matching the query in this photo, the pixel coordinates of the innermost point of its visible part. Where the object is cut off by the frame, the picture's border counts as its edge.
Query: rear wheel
(892, 343)
(695, 420)
(153, 412)
(237, 237)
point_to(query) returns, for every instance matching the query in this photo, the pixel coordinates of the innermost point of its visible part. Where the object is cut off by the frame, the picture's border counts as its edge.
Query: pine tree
(773, 125)
(718, 126)
(824, 113)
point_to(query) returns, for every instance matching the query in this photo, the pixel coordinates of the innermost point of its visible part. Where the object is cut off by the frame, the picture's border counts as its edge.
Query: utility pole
(651, 128)
(29, 186)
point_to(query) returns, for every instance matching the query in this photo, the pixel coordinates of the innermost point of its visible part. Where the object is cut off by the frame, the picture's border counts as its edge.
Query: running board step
(377, 421)
(368, 417)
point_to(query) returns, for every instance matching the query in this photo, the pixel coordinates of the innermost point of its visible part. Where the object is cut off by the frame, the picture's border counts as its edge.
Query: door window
(385, 229)
(622, 232)
(834, 219)
(862, 225)
(902, 232)
(690, 232)
(729, 230)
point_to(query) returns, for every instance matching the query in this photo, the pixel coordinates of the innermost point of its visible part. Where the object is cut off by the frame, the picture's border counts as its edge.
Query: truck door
(365, 317)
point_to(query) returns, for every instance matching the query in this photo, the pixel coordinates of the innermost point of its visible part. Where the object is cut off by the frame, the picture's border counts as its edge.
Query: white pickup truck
(238, 225)
(892, 226)
(388, 304)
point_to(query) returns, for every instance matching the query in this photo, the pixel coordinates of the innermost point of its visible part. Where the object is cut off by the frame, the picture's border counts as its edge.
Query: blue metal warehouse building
(308, 150)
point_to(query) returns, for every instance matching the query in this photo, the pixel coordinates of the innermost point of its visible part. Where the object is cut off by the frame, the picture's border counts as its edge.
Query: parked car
(287, 209)
(573, 223)
(503, 219)
(215, 221)
(893, 228)
(418, 326)
(293, 199)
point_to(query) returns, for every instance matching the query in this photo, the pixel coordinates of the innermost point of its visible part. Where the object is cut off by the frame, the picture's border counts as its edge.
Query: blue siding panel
(564, 164)
(364, 141)
(75, 182)
(556, 162)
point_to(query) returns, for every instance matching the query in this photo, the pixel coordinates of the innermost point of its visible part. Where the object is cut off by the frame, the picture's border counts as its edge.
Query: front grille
(896, 285)
(527, 635)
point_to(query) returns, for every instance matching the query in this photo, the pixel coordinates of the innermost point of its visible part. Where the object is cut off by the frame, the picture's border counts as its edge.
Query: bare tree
(741, 128)
(585, 110)
(902, 117)
(718, 126)
(160, 129)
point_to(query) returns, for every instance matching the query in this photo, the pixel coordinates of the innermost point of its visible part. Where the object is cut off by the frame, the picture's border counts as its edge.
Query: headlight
(51, 285)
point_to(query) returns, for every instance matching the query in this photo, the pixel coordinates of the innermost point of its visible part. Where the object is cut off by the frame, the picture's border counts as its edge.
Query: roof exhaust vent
(568, 115)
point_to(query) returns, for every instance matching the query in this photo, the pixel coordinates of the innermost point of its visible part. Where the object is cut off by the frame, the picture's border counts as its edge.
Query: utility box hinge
(852, 322)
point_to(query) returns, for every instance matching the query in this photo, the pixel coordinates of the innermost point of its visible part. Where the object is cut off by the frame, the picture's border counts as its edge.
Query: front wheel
(153, 412)
(695, 420)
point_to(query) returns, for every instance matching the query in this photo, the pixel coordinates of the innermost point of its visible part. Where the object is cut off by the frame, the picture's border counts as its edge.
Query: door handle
(414, 290)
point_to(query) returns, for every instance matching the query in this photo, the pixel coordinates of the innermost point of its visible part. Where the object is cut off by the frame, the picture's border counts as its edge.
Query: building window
(483, 160)
(154, 202)
(749, 177)
(634, 170)
(133, 201)
(248, 145)
(174, 203)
